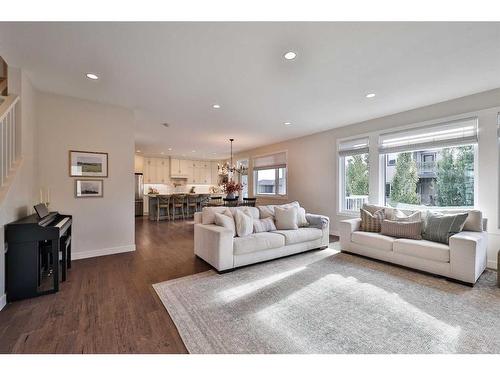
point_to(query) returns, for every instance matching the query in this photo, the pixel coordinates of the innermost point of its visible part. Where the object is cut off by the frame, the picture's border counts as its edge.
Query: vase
(230, 195)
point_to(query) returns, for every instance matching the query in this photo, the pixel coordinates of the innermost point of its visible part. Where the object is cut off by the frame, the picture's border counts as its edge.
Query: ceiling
(174, 73)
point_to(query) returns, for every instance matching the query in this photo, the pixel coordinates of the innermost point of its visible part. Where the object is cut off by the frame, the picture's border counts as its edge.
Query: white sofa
(464, 259)
(217, 246)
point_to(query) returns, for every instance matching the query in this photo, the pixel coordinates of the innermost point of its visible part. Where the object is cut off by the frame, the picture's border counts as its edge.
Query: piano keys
(34, 265)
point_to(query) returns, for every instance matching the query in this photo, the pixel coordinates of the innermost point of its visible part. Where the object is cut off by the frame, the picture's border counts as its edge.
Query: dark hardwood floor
(108, 305)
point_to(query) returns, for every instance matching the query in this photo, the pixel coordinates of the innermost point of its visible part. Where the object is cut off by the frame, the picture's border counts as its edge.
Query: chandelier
(229, 168)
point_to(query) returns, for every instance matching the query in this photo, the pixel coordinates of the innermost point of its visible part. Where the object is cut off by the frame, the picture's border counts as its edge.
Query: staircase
(10, 139)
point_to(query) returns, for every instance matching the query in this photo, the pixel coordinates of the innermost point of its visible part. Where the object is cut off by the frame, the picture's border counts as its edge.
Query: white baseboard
(492, 264)
(3, 301)
(100, 252)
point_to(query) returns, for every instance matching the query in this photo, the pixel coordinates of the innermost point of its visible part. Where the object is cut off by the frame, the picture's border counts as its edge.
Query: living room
(305, 187)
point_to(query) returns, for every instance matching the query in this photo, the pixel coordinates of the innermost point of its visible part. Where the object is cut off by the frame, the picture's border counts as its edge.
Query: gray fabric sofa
(217, 246)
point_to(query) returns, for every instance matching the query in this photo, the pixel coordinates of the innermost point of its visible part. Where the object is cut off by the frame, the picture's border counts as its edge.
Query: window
(270, 174)
(434, 166)
(354, 174)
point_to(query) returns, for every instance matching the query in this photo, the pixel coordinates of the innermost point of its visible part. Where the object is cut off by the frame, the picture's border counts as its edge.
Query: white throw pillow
(399, 215)
(286, 218)
(301, 217)
(244, 223)
(225, 220)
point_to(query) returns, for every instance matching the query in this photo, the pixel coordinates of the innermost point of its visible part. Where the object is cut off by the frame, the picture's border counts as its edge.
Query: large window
(354, 174)
(433, 166)
(270, 175)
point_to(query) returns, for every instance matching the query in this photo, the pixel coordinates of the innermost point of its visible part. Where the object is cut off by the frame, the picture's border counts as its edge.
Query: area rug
(331, 302)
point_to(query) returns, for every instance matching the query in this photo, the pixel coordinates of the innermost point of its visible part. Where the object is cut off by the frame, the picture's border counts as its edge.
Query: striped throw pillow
(439, 227)
(371, 222)
(400, 229)
(263, 225)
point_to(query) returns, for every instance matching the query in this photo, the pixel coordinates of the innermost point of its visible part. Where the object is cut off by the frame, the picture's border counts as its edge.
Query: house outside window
(434, 166)
(270, 175)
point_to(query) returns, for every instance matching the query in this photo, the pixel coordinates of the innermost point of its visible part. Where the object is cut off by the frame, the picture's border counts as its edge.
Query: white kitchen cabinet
(156, 171)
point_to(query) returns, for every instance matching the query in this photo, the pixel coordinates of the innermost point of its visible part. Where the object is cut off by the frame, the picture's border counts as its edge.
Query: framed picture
(88, 188)
(88, 164)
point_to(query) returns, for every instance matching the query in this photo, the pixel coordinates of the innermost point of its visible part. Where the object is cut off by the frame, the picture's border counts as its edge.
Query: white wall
(100, 225)
(19, 200)
(313, 163)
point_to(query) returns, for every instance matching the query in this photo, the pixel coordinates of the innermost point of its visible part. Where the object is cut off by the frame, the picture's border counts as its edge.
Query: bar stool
(216, 201)
(178, 201)
(203, 201)
(163, 202)
(192, 203)
(231, 202)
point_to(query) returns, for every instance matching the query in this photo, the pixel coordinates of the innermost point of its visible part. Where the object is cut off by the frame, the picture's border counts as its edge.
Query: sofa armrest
(346, 229)
(197, 217)
(214, 244)
(468, 255)
(321, 222)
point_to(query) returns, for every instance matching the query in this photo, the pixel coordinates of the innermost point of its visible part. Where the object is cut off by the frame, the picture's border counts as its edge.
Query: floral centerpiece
(230, 187)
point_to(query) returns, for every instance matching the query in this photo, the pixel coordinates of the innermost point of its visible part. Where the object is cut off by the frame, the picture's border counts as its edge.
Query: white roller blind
(354, 146)
(452, 133)
(277, 160)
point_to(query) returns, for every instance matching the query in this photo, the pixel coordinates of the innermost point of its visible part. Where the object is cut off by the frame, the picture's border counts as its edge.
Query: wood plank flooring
(108, 305)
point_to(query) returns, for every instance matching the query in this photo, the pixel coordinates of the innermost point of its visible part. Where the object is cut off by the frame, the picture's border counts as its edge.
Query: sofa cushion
(257, 242)
(402, 229)
(268, 211)
(373, 240)
(225, 220)
(423, 249)
(208, 213)
(244, 223)
(371, 222)
(286, 218)
(439, 227)
(300, 235)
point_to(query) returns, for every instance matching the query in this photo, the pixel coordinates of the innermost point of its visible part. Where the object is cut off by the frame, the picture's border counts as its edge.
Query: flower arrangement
(231, 187)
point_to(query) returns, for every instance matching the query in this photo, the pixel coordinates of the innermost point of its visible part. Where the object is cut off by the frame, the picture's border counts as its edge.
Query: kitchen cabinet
(180, 168)
(200, 172)
(156, 171)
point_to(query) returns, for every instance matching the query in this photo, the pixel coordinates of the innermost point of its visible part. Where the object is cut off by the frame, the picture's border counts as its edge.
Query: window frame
(274, 195)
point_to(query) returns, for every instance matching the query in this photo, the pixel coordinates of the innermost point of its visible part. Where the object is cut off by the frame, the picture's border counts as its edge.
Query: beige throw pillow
(244, 223)
(225, 220)
(371, 222)
(402, 229)
(398, 215)
(286, 218)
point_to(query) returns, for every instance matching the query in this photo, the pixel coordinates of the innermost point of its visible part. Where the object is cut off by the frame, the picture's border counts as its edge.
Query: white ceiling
(174, 72)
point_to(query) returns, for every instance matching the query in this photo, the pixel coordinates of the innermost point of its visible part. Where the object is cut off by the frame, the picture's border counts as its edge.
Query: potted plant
(230, 187)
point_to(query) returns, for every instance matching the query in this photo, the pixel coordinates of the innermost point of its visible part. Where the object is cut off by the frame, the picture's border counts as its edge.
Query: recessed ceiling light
(290, 55)
(216, 106)
(138, 151)
(214, 153)
(193, 151)
(288, 123)
(370, 95)
(162, 153)
(92, 76)
(170, 149)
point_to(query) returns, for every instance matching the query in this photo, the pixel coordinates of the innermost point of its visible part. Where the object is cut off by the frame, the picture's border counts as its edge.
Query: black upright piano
(34, 265)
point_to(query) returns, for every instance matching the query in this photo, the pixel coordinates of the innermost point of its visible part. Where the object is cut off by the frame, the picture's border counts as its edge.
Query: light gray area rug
(330, 302)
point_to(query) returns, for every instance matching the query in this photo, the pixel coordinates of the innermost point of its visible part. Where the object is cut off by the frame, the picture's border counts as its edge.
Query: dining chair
(249, 202)
(231, 202)
(178, 201)
(163, 202)
(216, 201)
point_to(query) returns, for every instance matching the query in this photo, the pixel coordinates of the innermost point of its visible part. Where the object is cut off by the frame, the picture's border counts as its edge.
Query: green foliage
(357, 175)
(404, 183)
(455, 177)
